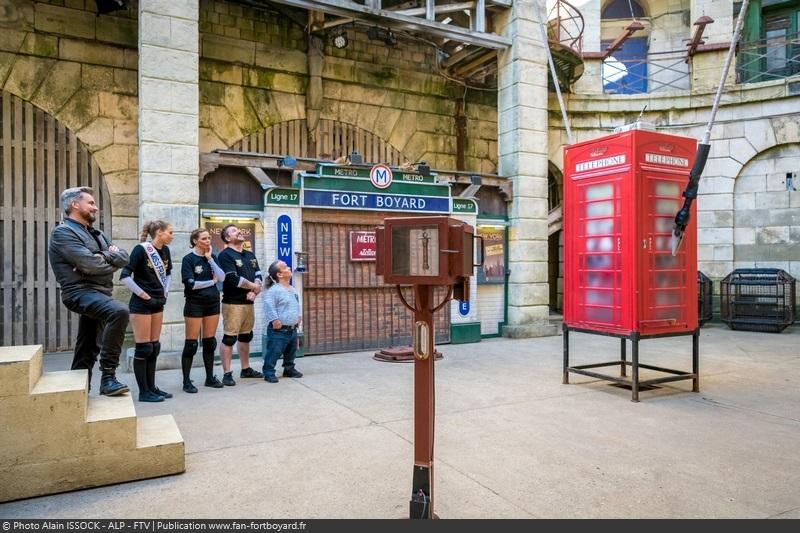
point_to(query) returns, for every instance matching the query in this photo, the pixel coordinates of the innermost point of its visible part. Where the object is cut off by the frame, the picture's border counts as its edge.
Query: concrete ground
(511, 440)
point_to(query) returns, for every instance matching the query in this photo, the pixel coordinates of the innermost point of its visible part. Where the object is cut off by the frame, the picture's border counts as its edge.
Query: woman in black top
(200, 275)
(148, 277)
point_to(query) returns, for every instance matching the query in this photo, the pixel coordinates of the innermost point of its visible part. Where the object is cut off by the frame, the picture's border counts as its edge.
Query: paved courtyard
(511, 440)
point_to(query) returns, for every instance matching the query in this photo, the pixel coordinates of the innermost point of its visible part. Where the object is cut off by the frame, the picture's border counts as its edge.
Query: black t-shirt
(143, 273)
(197, 268)
(235, 265)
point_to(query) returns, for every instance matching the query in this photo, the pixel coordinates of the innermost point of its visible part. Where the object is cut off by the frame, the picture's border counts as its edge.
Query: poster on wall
(494, 263)
(248, 230)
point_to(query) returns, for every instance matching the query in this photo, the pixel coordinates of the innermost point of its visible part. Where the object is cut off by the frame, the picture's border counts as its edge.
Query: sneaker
(227, 379)
(188, 387)
(165, 395)
(271, 379)
(213, 382)
(292, 373)
(150, 396)
(109, 386)
(250, 373)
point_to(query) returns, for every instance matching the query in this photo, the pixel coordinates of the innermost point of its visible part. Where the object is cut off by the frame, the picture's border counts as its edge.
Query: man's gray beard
(91, 217)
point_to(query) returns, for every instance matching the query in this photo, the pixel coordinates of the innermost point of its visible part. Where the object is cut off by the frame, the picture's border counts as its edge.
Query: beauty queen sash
(155, 261)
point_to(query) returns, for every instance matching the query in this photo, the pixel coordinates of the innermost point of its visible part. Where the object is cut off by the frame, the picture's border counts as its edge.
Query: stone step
(48, 423)
(111, 422)
(20, 368)
(160, 452)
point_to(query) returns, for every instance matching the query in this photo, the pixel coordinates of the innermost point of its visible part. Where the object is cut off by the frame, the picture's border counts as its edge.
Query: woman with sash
(148, 277)
(200, 275)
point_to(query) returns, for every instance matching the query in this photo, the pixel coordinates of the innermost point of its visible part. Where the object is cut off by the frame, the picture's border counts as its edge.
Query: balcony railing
(658, 72)
(768, 59)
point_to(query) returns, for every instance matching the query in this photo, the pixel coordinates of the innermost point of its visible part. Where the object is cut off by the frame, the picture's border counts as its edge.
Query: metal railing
(565, 25)
(658, 72)
(768, 59)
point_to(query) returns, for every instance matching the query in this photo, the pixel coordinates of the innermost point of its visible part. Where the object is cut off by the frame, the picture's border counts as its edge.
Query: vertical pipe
(565, 377)
(635, 367)
(421, 505)
(430, 12)
(696, 360)
(480, 16)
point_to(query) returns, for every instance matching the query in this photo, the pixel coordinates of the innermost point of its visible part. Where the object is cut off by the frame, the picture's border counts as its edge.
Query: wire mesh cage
(757, 299)
(705, 293)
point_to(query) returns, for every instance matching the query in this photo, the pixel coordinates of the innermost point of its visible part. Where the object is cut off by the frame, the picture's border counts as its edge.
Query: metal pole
(546, 45)
(421, 505)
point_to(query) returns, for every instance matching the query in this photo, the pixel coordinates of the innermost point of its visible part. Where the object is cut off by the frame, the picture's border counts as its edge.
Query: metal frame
(635, 383)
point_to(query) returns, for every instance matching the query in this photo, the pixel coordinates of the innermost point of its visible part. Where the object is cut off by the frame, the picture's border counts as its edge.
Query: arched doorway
(39, 158)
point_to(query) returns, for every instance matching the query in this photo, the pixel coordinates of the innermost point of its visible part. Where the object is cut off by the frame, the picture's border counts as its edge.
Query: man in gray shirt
(282, 309)
(84, 260)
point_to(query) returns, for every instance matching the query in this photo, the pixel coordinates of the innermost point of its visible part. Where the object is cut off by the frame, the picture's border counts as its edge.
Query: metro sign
(380, 176)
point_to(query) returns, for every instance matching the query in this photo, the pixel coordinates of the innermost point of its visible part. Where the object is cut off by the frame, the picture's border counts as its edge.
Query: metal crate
(757, 299)
(705, 293)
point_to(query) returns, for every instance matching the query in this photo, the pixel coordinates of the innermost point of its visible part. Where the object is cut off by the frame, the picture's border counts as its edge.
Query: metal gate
(345, 307)
(39, 159)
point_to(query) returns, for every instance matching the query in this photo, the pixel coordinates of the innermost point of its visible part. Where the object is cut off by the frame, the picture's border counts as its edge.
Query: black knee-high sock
(151, 365)
(209, 346)
(141, 354)
(189, 349)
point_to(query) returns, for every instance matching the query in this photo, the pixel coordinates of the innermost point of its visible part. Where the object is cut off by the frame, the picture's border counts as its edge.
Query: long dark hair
(272, 273)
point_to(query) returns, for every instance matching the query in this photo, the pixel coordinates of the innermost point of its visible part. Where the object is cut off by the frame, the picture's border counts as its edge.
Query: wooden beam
(465, 69)
(438, 9)
(397, 21)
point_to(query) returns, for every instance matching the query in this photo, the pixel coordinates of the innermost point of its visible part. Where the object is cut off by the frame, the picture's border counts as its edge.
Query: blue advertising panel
(284, 242)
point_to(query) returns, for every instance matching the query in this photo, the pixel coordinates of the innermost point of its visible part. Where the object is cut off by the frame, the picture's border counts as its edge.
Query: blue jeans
(279, 343)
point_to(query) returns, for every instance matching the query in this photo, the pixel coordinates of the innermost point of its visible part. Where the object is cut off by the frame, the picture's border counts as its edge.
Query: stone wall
(254, 73)
(81, 69)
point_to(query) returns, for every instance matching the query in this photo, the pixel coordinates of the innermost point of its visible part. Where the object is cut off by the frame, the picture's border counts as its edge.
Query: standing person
(200, 275)
(282, 309)
(148, 276)
(84, 260)
(242, 284)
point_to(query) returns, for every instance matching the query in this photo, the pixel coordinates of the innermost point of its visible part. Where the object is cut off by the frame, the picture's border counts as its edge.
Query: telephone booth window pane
(415, 251)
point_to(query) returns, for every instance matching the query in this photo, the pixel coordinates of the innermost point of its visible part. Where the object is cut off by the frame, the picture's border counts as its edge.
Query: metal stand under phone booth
(425, 252)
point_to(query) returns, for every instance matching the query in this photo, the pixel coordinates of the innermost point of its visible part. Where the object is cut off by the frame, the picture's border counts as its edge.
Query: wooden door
(39, 158)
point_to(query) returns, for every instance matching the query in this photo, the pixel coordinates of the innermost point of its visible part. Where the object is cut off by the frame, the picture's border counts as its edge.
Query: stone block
(186, 9)
(218, 120)
(281, 59)
(723, 253)
(91, 52)
(772, 200)
(97, 77)
(339, 69)
(415, 146)
(227, 49)
(167, 64)
(175, 128)
(97, 134)
(289, 83)
(523, 140)
(744, 235)
(130, 59)
(118, 30)
(126, 81)
(527, 250)
(786, 130)
(528, 314)
(263, 106)
(40, 45)
(118, 106)
(125, 132)
(290, 106)
(524, 272)
(232, 74)
(239, 108)
(741, 150)
(20, 368)
(62, 82)
(27, 75)
(524, 165)
(523, 294)
(73, 22)
(170, 196)
(715, 235)
(386, 120)
(80, 110)
(122, 182)
(714, 202)
(752, 182)
(744, 201)
(772, 235)
(112, 158)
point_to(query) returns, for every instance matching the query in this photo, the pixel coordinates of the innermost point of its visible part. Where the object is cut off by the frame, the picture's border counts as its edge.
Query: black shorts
(154, 305)
(201, 308)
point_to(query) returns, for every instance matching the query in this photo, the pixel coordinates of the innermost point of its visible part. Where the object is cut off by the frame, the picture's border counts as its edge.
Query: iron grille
(705, 293)
(758, 299)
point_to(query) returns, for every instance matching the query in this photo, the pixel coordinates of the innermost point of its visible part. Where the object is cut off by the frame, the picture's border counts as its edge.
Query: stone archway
(767, 210)
(334, 139)
(40, 157)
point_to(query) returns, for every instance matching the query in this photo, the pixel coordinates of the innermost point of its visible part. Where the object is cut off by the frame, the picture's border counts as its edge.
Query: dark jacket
(80, 259)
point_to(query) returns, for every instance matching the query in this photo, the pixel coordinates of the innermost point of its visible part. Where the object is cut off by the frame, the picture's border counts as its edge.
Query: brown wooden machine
(425, 252)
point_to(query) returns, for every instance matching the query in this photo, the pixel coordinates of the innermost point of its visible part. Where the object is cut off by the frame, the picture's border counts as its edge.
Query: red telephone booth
(621, 194)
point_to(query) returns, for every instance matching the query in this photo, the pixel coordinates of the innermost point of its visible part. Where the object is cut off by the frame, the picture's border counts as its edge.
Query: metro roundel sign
(380, 176)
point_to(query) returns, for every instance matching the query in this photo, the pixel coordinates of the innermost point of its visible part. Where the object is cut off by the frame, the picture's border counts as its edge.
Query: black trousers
(101, 330)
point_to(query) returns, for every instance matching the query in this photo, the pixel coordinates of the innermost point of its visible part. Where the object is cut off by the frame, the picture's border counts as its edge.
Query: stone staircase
(56, 438)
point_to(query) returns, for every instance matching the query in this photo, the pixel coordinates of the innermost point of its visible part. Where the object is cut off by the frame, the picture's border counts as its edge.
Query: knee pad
(156, 349)
(143, 350)
(229, 340)
(209, 344)
(245, 337)
(190, 348)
